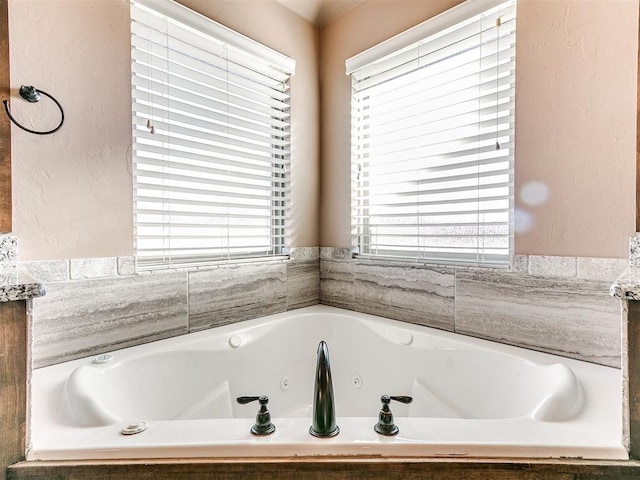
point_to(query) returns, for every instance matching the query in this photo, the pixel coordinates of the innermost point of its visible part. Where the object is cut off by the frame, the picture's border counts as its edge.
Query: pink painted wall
(575, 120)
(73, 190)
(575, 124)
(576, 100)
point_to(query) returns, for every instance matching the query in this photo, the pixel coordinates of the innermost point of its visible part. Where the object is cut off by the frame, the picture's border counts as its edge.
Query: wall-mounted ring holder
(33, 95)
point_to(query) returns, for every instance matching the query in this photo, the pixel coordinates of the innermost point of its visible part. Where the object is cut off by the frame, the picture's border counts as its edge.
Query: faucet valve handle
(401, 398)
(386, 425)
(263, 425)
(245, 400)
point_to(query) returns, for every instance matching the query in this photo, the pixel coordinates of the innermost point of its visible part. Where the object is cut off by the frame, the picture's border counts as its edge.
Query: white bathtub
(472, 398)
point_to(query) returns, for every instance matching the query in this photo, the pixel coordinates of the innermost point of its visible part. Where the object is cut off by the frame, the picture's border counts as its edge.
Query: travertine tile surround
(559, 305)
(15, 287)
(634, 251)
(8, 258)
(555, 304)
(627, 286)
(98, 305)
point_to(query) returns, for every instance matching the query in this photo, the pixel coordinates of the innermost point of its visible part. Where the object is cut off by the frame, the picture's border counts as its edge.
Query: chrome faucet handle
(386, 425)
(263, 425)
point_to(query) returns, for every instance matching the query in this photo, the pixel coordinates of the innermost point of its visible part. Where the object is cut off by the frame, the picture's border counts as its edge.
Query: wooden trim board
(330, 469)
(13, 383)
(13, 374)
(638, 141)
(5, 123)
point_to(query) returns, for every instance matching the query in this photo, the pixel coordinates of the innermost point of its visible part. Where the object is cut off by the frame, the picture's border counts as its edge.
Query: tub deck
(461, 431)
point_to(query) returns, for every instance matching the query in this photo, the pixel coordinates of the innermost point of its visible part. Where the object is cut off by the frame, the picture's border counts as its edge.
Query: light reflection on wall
(532, 194)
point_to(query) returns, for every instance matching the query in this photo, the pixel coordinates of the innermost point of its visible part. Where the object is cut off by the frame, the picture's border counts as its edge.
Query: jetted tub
(470, 397)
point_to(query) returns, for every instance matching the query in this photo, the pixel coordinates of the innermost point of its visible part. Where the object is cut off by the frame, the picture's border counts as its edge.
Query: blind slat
(198, 139)
(433, 142)
(142, 115)
(253, 170)
(211, 148)
(142, 103)
(150, 52)
(170, 143)
(145, 212)
(170, 81)
(154, 93)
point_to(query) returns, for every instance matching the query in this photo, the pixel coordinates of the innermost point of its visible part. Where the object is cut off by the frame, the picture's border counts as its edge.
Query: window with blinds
(433, 139)
(211, 128)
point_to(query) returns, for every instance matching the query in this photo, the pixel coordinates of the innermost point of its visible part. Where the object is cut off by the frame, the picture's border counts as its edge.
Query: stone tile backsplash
(417, 295)
(8, 258)
(634, 251)
(566, 316)
(553, 266)
(77, 318)
(229, 294)
(99, 305)
(559, 305)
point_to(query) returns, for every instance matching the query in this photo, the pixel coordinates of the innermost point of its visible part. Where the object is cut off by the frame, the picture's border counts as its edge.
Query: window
(211, 132)
(433, 139)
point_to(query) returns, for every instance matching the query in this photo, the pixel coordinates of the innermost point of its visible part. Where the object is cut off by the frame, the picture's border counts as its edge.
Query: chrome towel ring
(33, 95)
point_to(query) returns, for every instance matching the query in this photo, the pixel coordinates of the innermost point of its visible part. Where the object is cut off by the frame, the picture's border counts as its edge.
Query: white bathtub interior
(471, 397)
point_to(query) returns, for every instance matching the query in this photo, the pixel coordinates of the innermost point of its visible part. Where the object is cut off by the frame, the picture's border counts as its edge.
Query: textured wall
(97, 305)
(73, 189)
(575, 128)
(575, 125)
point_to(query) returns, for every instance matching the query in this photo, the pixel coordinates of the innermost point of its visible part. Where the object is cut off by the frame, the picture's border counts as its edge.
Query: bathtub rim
(445, 334)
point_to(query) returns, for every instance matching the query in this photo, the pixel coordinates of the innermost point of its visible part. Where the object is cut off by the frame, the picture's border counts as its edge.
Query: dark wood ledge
(343, 468)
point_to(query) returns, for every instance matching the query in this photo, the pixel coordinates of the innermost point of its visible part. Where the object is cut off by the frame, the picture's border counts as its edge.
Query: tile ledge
(20, 287)
(627, 286)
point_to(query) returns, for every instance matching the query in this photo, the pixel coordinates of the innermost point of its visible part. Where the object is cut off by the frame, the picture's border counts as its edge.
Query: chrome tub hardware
(134, 428)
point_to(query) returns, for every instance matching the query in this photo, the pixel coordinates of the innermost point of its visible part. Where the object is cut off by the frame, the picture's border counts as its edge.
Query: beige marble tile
(520, 264)
(82, 317)
(336, 253)
(46, 270)
(232, 293)
(572, 317)
(93, 267)
(126, 266)
(413, 294)
(549, 266)
(304, 253)
(605, 269)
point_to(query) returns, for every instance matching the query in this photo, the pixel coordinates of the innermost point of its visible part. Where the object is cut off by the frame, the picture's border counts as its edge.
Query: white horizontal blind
(211, 132)
(433, 144)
